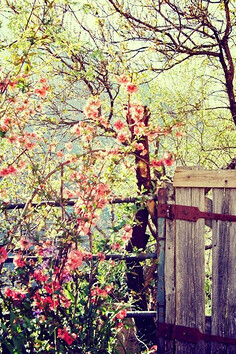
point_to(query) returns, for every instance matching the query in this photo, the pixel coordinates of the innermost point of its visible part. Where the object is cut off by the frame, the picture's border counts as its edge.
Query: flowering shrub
(57, 297)
(57, 303)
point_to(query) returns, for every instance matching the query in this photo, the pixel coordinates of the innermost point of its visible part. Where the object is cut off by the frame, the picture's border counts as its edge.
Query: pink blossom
(94, 101)
(121, 137)
(139, 146)
(168, 159)
(8, 171)
(76, 130)
(115, 246)
(64, 302)
(60, 154)
(137, 111)
(99, 292)
(153, 349)
(91, 112)
(121, 314)
(51, 287)
(24, 243)
(18, 261)
(69, 146)
(52, 303)
(3, 254)
(122, 79)
(92, 107)
(119, 125)
(131, 88)
(12, 138)
(128, 228)
(39, 276)
(74, 260)
(128, 233)
(43, 80)
(101, 256)
(156, 163)
(41, 92)
(179, 134)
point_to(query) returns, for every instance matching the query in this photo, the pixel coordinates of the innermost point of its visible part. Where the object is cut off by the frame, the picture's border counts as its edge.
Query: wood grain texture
(190, 269)
(224, 270)
(170, 269)
(204, 178)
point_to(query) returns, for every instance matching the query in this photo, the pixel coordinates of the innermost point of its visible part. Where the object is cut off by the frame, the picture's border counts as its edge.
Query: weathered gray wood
(161, 273)
(190, 269)
(224, 270)
(170, 269)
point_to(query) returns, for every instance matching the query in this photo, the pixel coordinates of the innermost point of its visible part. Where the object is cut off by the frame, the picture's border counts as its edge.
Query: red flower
(3, 254)
(121, 315)
(66, 336)
(131, 88)
(156, 163)
(119, 125)
(101, 256)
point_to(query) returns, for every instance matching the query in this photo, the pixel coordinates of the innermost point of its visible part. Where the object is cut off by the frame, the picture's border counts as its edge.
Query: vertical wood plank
(190, 269)
(224, 270)
(161, 223)
(170, 269)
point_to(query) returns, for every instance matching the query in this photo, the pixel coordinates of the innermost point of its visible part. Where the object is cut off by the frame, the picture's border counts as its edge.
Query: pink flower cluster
(27, 140)
(90, 201)
(11, 170)
(43, 88)
(19, 261)
(128, 233)
(102, 293)
(119, 124)
(17, 295)
(74, 260)
(24, 243)
(167, 160)
(91, 110)
(136, 111)
(5, 124)
(50, 295)
(63, 333)
(121, 314)
(101, 256)
(130, 87)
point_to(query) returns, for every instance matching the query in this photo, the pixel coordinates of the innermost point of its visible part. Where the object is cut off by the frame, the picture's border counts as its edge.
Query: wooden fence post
(224, 270)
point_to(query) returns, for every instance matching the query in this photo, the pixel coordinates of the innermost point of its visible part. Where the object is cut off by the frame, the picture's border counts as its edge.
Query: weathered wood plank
(224, 270)
(204, 178)
(160, 270)
(170, 269)
(190, 269)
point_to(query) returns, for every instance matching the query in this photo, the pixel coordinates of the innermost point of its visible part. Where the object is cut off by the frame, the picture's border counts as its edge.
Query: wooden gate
(181, 294)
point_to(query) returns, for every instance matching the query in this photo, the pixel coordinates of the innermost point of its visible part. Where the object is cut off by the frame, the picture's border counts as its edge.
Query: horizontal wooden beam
(205, 178)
